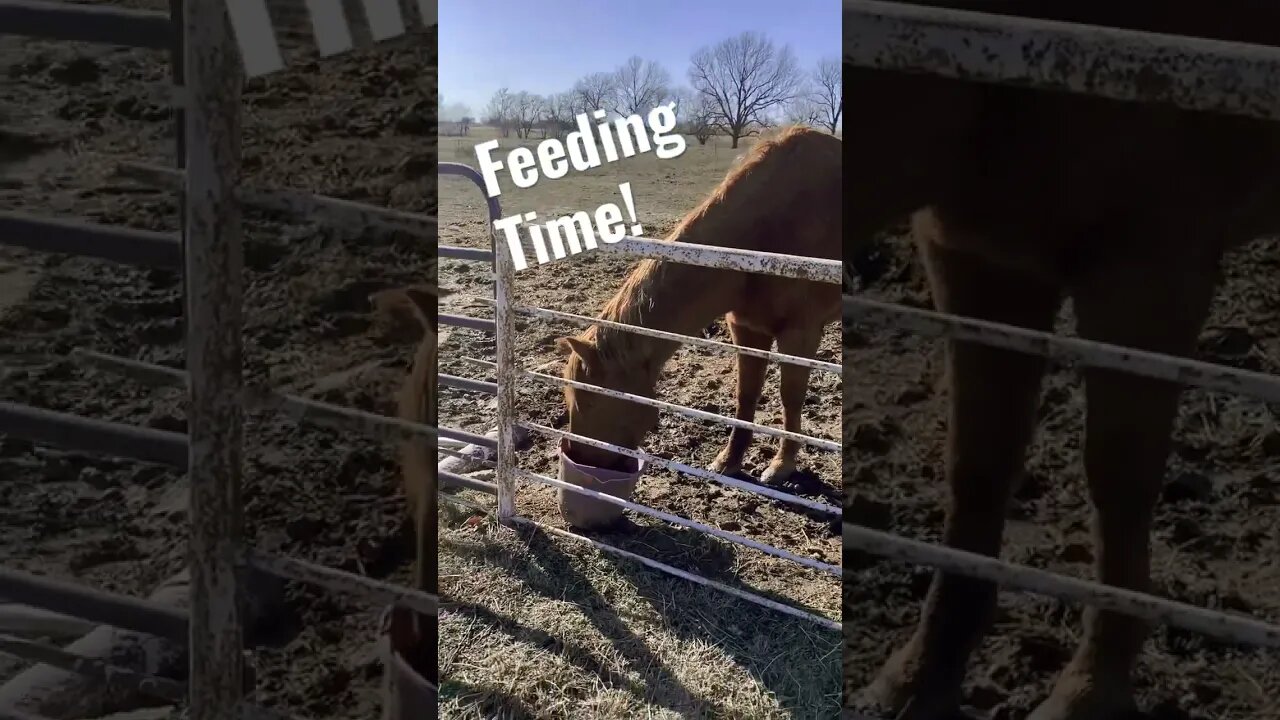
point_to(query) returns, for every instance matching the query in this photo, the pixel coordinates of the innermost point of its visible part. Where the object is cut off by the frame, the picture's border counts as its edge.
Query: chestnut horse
(1018, 199)
(783, 197)
(414, 636)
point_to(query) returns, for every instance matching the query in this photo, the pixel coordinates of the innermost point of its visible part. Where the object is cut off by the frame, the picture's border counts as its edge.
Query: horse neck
(660, 295)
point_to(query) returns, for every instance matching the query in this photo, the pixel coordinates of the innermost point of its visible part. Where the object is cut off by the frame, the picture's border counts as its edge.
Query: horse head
(601, 417)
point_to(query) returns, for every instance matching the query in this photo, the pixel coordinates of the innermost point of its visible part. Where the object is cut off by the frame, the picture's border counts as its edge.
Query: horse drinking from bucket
(1018, 199)
(412, 636)
(783, 197)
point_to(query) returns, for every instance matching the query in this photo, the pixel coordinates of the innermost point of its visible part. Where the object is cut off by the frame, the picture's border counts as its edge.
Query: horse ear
(425, 301)
(421, 300)
(582, 348)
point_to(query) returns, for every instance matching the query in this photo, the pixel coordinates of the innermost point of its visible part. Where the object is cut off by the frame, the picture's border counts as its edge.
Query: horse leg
(800, 339)
(751, 371)
(993, 399)
(1127, 442)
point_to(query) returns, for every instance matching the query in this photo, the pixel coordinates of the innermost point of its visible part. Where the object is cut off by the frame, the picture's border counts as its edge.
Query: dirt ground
(359, 127)
(1216, 536)
(632, 642)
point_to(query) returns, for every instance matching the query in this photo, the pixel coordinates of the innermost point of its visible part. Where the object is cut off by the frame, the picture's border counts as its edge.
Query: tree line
(737, 88)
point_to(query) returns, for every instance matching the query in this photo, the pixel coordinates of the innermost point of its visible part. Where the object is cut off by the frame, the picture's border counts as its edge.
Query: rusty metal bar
(797, 267)
(470, 323)
(460, 253)
(344, 583)
(86, 239)
(1210, 623)
(68, 598)
(100, 670)
(98, 437)
(1067, 351)
(1191, 73)
(215, 303)
(322, 209)
(74, 22)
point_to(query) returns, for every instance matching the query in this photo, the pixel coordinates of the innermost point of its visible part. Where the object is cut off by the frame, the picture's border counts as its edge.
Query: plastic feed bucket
(586, 512)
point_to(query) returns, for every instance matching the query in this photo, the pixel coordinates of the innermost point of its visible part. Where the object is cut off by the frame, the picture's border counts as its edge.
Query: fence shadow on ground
(565, 582)
(492, 704)
(807, 484)
(736, 626)
(705, 614)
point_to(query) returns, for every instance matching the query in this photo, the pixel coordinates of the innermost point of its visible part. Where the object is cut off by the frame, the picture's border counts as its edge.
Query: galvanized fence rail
(509, 374)
(1191, 73)
(209, 252)
(493, 210)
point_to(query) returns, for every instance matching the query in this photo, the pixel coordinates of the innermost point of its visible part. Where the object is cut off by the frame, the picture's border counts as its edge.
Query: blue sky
(543, 46)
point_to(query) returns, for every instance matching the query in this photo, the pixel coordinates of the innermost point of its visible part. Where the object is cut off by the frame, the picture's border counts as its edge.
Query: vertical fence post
(505, 332)
(214, 262)
(177, 71)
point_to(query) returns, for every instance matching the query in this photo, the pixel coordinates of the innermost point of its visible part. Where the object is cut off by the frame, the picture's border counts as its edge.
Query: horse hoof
(918, 706)
(777, 472)
(721, 466)
(1078, 697)
(904, 690)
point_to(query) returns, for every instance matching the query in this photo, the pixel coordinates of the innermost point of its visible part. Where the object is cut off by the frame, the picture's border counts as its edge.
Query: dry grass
(539, 626)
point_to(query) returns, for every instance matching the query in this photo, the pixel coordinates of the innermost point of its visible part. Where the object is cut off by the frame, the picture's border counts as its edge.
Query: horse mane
(700, 225)
(416, 402)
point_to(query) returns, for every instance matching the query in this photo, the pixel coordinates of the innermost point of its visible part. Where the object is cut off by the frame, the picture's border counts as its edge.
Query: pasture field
(1217, 530)
(535, 625)
(360, 126)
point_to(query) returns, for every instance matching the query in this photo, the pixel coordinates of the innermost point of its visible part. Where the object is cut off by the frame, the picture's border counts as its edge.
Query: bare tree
(557, 113)
(681, 96)
(454, 118)
(594, 92)
(700, 116)
(746, 77)
(828, 92)
(639, 86)
(684, 99)
(528, 112)
(501, 111)
(803, 109)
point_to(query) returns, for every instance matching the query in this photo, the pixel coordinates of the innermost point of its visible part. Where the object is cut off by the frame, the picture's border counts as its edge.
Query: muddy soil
(1217, 530)
(359, 127)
